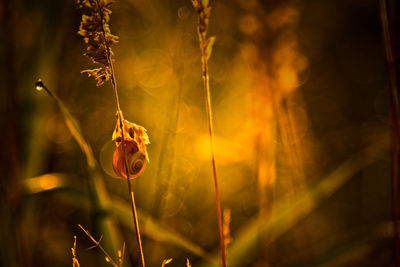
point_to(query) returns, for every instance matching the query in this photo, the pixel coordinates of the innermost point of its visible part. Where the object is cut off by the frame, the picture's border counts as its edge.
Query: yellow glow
(152, 69)
(44, 182)
(287, 79)
(227, 150)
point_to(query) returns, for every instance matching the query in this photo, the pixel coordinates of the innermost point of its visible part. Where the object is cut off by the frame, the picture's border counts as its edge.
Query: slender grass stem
(135, 219)
(206, 83)
(203, 9)
(395, 128)
(121, 119)
(97, 244)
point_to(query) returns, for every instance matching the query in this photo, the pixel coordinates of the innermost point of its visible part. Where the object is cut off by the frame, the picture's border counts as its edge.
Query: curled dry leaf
(100, 74)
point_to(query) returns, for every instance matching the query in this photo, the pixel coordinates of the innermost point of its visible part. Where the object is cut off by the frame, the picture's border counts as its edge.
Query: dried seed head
(96, 33)
(204, 10)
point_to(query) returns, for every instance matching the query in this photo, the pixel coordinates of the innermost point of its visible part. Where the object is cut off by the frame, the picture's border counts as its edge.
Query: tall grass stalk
(203, 9)
(96, 32)
(212, 147)
(395, 128)
(120, 119)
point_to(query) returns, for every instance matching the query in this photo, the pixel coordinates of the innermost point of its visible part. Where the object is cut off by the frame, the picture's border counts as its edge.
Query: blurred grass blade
(98, 194)
(356, 247)
(45, 182)
(116, 208)
(288, 213)
(61, 187)
(154, 230)
(71, 123)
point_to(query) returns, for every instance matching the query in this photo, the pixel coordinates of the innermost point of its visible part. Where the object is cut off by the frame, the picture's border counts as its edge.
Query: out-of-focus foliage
(300, 104)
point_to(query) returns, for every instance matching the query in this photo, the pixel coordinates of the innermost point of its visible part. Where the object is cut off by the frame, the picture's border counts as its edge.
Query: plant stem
(206, 83)
(97, 243)
(135, 219)
(121, 119)
(395, 129)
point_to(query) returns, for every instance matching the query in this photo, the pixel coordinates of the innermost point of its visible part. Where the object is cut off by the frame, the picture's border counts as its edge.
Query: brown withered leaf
(97, 35)
(100, 74)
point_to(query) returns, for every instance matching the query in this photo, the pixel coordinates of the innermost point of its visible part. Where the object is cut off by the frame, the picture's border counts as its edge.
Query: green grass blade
(98, 194)
(72, 125)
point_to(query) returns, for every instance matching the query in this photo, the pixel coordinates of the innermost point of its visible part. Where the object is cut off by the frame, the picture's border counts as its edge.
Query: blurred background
(300, 97)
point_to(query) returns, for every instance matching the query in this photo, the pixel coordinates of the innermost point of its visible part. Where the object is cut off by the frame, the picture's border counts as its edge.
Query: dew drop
(39, 85)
